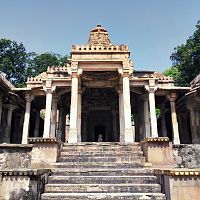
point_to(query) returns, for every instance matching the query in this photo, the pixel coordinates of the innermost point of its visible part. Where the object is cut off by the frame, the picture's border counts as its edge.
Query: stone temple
(98, 129)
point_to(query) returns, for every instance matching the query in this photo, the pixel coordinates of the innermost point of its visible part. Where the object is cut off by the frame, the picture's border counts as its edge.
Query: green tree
(186, 59)
(39, 63)
(13, 61)
(174, 73)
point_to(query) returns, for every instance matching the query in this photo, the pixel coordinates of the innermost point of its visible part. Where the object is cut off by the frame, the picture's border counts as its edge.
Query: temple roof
(99, 36)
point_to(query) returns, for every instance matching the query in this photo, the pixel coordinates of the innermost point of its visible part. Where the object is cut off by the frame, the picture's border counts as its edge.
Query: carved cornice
(155, 139)
(24, 172)
(42, 140)
(178, 172)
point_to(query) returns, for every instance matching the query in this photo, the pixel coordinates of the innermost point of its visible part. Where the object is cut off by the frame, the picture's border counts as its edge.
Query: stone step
(85, 165)
(103, 196)
(100, 154)
(102, 172)
(101, 179)
(103, 159)
(102, 144)
(100, 148)
(102, 188)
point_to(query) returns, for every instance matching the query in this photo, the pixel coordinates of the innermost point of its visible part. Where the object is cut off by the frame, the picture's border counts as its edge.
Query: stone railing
(56, 69)
(92, 48)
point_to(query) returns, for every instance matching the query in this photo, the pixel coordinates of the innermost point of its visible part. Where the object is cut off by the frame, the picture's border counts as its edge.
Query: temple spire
(99, 36)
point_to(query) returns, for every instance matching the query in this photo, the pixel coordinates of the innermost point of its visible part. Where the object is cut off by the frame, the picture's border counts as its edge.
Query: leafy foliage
(17, 64)
(13, 61)
(186, 59)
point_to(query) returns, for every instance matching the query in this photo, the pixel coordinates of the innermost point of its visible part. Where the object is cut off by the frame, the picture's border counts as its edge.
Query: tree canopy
(186, 60)
(18, 64)
(13, 60)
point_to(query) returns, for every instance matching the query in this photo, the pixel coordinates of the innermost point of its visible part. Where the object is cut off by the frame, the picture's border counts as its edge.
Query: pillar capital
(172, 97)
(28, 97)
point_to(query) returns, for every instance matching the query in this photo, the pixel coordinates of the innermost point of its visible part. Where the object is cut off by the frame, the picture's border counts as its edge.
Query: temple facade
(97, 128)
(98, 96)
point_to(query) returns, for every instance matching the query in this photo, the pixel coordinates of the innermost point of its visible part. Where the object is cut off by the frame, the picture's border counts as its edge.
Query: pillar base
(158, 151)
(45, 151)
(129, 135)
(73, 135)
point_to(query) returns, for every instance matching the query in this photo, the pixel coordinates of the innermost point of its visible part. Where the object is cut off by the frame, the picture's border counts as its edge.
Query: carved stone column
(163, 122)
(25, 133)
(128, 131)
(172, 98)
(193, 125)
(146, 116)
(47, 120)
(151, 88)
(53, 117)
(11, 108)
(73, 130)
(114, 114)
(37, 124)
(79, 113)
(1, 105)
(121, 116)
(67, 123)
(61, 120)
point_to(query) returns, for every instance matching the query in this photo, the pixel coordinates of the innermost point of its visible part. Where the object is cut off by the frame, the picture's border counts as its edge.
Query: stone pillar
(128, 132)
(79, 114)
(73, 130)
(146, 116)
(193, 126)
(67, 123)
(1, 105)
(121, 116)
(37, 124)
(114, 125)
(172, 98)
(53, 117)
(163, 122)
(47, 120)
(151, 88)
(11, 108)
(60, 124)
(25, 133)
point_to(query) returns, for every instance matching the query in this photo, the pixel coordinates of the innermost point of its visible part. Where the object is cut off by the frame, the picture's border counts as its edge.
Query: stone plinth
(22, 184)
(180, 184)
(45, 151)
(15, 156)
(158, 151)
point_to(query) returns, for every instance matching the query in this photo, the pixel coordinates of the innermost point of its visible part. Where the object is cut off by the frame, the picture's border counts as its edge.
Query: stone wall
(179, 184)
(22, 184)
(15, 156)
(186, 155)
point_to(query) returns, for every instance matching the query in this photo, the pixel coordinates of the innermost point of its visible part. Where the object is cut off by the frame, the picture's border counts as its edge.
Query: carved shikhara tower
(102, 97)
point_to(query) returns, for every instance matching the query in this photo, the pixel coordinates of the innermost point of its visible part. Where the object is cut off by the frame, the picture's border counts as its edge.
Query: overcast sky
(151, 28)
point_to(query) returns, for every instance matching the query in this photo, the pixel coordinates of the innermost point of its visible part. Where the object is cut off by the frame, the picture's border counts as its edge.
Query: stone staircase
(102, 171)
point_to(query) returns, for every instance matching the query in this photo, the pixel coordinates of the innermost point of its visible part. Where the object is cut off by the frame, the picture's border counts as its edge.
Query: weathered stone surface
(187, 155)
(180, 184)
(45, 151)
(22, 184)
(104, 196)
(15, 156)
(158, 151)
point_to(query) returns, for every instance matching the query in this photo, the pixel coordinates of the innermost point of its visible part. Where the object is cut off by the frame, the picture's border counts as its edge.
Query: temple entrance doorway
(100, 116)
